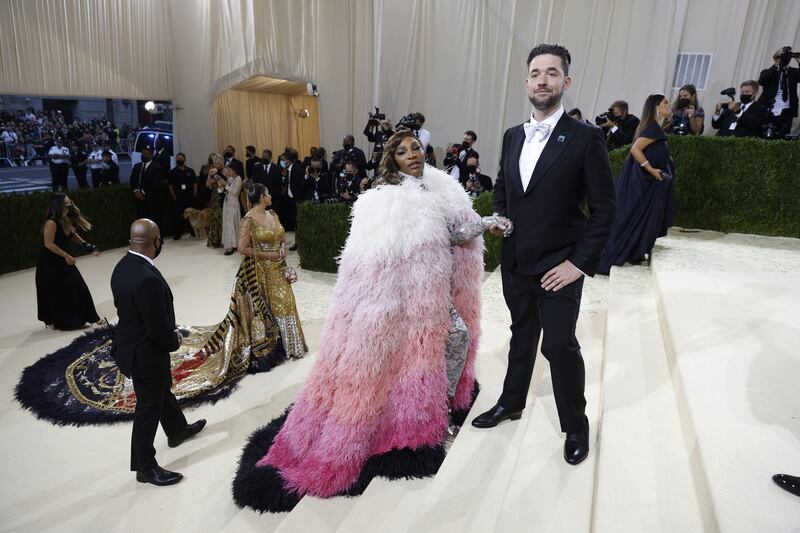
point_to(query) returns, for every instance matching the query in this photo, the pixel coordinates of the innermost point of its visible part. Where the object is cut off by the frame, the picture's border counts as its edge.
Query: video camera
(609, 115)
(408, 122)
(377, 116)
(786, 55)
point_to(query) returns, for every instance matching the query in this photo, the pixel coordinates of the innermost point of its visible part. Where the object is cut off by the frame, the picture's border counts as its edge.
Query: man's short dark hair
(350, 137)
(472, 134)
(575, 111)
(231, 147)
(290, 155)
(106, 153)
(250, 148)
(472, 157)
(419, 117)
(180, 153)
(554, 49)
(622, 105)
(316, 159)
(751, 83)
(267, 151)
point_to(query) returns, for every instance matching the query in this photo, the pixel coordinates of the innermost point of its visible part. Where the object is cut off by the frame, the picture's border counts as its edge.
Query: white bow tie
(531, 130)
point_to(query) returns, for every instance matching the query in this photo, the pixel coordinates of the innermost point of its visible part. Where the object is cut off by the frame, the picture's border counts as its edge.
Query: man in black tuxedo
(268, 173)
(472, 180)
(318, 187)
(143, 338)
(745, 118)
(294, 184)
(163, 156)
(250, 161)
(145, 182)
(549, 167)
(230, 159)
(780, 83)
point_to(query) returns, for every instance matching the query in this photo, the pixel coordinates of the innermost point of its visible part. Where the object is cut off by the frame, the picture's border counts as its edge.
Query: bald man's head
(145, 238)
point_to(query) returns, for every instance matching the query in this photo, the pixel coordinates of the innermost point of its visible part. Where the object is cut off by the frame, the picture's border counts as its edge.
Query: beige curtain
(265, 121)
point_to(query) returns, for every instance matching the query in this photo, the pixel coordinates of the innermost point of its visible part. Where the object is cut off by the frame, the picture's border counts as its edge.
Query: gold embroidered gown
(261, 329)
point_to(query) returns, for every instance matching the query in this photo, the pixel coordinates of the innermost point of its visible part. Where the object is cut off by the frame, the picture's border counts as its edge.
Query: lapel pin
(561, 138)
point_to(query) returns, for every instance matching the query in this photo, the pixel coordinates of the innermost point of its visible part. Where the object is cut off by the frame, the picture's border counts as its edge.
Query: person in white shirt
(423, 135)
(95, 163)
(745, 118)
(59, 165)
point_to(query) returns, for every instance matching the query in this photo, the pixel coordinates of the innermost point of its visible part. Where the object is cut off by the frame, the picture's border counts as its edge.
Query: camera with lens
(376, 117)
(730, 92)
(408, 122)
(606, 117)
(786, 55)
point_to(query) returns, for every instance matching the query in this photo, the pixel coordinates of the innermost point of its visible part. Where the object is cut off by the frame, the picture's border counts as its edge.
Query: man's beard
(552, 100)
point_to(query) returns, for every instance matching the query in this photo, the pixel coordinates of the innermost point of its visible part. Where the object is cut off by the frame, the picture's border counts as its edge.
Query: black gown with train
(63, 299)
(645, 206)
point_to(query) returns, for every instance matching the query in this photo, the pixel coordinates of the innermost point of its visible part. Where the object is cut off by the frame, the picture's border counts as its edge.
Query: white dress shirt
(143, 256)
(424, 138)
(532, 149)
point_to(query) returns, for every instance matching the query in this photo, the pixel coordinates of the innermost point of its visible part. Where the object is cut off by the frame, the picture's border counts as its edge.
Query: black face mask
(347, 146)
(159, 244)
(746, 98)
(228, 155)
(266, 160)
(180, 162)
(145, 158)
(472, 168)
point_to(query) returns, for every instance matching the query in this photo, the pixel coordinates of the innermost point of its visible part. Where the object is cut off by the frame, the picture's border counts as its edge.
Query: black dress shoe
(576, 447)
(494, 416)
(191, 429)
(158, 476)
(788, 483)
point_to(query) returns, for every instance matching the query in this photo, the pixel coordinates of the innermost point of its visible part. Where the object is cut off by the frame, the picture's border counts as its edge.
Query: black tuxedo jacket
(149, 181)
(769, 80)
(750, 124)
(624, 134)
(549, 222)
(322, 187)
(270, 178)
(145, 334)
(295, 178)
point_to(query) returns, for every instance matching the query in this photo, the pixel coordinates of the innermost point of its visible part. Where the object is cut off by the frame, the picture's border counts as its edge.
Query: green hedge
(736, 185)
(321, 232)
(491, 254)
(110, 210)
(722, 184)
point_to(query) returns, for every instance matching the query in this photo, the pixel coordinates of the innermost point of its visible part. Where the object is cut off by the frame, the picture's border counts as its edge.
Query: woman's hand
(657, 174)
(69, 259)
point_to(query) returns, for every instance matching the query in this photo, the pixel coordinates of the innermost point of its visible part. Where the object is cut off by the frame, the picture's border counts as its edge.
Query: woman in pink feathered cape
(376, 401)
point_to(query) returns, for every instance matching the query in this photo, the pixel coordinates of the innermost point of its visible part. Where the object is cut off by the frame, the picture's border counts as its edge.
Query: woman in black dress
(62, 296)
(645, 191)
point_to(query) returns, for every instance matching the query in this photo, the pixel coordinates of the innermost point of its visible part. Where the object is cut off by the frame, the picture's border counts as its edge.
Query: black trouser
(96, 177)
(60, 175)
(179, 224)
(154, 403)
(290, 213)
(783, 122)
(532, 310)
(149, 208)
(80, 175)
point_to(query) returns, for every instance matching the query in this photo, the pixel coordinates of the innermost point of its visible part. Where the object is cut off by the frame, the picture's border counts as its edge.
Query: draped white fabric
(460, 62)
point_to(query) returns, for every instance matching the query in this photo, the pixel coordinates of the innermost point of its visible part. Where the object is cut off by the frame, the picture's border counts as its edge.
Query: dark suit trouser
(80, 175)
(154, 403)
(290, 212)
(60, 177)
(534, 310)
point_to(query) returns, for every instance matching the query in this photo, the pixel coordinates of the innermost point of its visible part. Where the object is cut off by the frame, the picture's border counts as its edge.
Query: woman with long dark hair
(64, 301)
(645, 191)
(397, 350)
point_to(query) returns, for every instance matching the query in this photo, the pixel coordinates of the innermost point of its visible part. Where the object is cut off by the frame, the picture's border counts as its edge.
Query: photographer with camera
(688, 118)
(451, 162)
(472, 180)
(618, 125)
(745, 118)
(377, 131)
(780, 90)
(318, 187)
(349, 152)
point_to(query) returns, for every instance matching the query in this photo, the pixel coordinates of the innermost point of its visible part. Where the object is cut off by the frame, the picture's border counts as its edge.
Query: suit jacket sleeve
(768, 77)
(499, 192)
(601, 197)
(754, 118)
(152, 300)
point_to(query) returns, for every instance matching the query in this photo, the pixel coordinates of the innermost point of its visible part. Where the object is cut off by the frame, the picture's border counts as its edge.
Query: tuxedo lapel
(517, 140)
(559, 138)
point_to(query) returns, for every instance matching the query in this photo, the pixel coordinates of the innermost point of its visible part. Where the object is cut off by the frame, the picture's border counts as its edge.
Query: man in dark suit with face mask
(142, 341)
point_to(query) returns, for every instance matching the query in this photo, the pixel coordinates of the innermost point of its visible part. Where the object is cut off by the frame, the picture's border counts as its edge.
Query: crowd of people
(407, 385)
(30, 134)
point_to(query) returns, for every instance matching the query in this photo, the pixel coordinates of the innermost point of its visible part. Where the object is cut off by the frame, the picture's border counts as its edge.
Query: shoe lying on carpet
(190, 431)
(159, 477)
